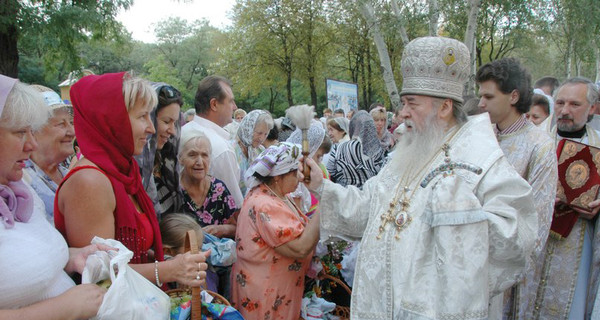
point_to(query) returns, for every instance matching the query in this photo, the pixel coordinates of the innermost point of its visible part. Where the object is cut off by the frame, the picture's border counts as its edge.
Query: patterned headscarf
(316, 134)
(167, 156)
(245, 132)
(362, 127)
(276, 160)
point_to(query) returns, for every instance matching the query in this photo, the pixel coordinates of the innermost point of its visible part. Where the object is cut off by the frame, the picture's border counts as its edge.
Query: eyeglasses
(169, 92)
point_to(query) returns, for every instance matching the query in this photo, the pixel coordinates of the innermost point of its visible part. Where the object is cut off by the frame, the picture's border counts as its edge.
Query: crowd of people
(451, 207)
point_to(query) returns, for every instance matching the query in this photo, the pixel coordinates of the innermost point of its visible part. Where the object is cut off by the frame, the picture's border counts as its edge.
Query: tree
(58, 26)
(386, 67)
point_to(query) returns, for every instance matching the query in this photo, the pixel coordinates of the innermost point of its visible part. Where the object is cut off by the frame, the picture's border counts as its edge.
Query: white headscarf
(276, 160)
(245, 132)
(315, 133)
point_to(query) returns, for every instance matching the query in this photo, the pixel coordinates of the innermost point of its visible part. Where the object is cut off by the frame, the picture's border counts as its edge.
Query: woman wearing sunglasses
(158, 162)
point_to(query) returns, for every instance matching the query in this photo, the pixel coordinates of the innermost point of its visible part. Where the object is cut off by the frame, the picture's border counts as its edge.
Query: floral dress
(217, 208)
(265, 284)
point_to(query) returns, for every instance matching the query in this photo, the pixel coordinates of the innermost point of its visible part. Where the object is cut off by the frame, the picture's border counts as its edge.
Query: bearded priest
(447, 223)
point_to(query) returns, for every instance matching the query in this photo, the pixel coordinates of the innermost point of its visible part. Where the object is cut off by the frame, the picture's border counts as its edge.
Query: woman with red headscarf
(103, 194)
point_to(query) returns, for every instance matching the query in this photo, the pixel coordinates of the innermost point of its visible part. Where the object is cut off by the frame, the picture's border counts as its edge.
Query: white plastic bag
(130, 296)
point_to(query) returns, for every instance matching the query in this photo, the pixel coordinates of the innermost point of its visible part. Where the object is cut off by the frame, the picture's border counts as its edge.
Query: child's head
(173, 228)
(323, 149)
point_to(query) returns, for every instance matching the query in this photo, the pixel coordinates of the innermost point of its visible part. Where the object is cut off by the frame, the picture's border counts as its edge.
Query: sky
(139, 18)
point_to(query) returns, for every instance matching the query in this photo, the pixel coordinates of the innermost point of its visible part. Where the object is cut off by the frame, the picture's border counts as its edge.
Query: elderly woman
(103, 194)
(34, 258)
(205, 198)
(46, 168)
(386, 139)
(337, 129)
(158, 161)
(253, 131)
(275, 240)
(354, 162)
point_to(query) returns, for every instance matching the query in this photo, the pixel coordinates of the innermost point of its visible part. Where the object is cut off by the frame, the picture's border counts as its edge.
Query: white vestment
(468, 240)
(531, 151)
(570, 267)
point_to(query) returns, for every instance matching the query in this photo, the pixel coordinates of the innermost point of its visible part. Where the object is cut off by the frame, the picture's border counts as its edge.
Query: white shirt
(33, 257)
(223, 163)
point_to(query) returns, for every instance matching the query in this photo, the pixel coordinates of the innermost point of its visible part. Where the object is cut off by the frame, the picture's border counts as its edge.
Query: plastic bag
(222, 253)
(130, 296)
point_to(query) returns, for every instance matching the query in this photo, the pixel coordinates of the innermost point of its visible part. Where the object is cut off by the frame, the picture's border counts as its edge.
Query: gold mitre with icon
(435, 66)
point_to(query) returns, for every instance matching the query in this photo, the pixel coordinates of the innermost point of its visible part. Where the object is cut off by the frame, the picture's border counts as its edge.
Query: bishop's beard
(417, 147)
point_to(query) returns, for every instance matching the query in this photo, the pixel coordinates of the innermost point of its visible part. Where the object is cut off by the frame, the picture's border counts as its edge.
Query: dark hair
(509, 75)
(168, 95)
(547, 81)
(326, 144)
(340, 111)
(209, 88)
(542, 101)
(273, 133)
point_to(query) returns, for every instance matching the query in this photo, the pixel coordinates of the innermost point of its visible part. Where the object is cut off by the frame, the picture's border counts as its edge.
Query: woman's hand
(189, 269)
(78, 257)
(316, 174)
(84, 299)
(221, 230)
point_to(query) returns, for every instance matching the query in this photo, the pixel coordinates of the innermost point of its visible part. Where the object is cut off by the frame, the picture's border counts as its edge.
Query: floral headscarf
(274, 161)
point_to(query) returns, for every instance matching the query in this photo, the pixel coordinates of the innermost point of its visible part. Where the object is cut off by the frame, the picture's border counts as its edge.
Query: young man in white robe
(447, 223)
(505, 94)
(571, 266)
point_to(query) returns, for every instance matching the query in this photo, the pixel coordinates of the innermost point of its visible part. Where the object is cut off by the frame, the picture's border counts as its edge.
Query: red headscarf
(105, 137)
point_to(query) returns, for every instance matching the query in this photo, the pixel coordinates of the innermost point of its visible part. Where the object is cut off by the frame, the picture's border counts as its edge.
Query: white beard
(416, 148)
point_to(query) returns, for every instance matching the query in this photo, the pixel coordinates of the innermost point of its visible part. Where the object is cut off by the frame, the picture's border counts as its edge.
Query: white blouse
(32, 260)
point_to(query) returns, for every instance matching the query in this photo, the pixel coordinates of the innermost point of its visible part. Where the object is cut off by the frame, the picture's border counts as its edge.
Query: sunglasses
(169, 92)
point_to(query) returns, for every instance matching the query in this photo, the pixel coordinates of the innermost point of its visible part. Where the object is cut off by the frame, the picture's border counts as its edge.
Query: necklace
(285, 200)
(402, 219)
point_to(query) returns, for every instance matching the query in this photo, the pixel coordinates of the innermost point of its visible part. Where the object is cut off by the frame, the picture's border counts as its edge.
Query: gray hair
(457, 109)
(592, 90)
(265, 118)
(190, 112)
(193, 138)
(25, 107)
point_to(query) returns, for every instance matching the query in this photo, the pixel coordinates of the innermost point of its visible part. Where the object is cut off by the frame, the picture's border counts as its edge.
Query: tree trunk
(434, 16)
(9, 35)
(401, 29)
(386, 65)
(569, 58)
(597, 61)
(470, 43)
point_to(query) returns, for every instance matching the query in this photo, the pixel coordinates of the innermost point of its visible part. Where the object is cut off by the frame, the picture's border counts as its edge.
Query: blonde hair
(24, 107)
(378, 113)
(174, 227)
(135, 88)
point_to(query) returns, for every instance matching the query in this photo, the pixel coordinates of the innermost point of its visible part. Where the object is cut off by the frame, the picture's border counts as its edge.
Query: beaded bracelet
(158, 283)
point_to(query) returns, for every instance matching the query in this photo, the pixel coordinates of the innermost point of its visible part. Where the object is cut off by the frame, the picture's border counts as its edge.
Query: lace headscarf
(315, 133)
(343, 123)
(362, 127)
(276, 160)
(245, 132)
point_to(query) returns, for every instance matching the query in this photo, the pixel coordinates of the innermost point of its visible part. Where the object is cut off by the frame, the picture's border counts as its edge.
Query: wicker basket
(342, 312)
(191, 244)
